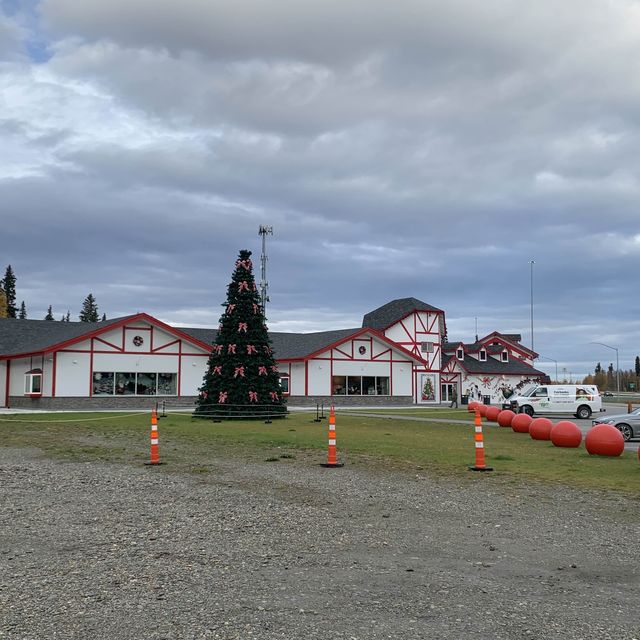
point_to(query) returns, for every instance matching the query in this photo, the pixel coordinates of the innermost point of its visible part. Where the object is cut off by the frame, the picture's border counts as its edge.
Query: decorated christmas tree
(242, 377)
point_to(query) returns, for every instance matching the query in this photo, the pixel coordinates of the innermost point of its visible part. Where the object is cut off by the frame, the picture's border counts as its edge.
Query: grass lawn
(187, 444)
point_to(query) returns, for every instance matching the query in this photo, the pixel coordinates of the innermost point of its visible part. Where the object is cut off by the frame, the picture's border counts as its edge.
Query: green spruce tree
(23, 311)
(242, 377)
(3, 304)
(49, 315)
(8, 285)
(89, 312)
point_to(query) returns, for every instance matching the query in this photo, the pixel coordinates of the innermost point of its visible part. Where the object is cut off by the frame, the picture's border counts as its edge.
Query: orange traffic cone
(155, 451)
(480, 463)
(332, 459)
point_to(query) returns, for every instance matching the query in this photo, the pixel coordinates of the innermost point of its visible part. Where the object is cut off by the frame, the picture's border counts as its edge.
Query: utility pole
(531, 263)
(264, 285)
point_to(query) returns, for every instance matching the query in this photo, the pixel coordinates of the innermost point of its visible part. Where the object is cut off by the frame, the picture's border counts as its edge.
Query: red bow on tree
(231, 348)
(262, 371)
(242, 326)
(239, 372)
(222, 398)
(253, 396)
(274, 395)
(244, 285)
(255, 308)
(217, 370)
(230, 308)
(217, 348)
(251, 349)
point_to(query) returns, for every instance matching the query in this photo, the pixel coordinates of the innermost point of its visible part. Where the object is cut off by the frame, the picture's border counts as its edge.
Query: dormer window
(504, 356)
(33, 383)
(483, 355)
(460, 353)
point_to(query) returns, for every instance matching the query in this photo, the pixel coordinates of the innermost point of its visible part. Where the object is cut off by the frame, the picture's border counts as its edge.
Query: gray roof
(30, 336)
(387, 314)
(494, 366)
(286, 346)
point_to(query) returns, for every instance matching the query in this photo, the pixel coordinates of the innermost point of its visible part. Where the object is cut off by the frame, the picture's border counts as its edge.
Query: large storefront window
(167, 384)
(108, 383)
(103, 384)
(360, 385)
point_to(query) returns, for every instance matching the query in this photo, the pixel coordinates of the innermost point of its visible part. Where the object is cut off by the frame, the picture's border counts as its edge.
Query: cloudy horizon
(420, 149)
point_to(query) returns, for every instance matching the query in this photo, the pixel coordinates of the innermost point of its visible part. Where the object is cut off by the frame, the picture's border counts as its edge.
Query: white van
(581, 400)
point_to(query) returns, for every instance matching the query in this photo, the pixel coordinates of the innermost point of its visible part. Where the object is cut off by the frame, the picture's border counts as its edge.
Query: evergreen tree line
(8, 308)
(608, 381)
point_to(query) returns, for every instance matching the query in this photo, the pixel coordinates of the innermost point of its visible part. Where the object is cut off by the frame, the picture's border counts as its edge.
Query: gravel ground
(291, 550)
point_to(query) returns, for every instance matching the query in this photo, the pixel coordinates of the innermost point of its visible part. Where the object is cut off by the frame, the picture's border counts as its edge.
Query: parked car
(627, 423)
(608, 394)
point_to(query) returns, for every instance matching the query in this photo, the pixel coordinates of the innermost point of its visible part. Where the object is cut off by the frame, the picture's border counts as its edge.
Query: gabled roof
(393, 311)
(29, 337)
(512, 339)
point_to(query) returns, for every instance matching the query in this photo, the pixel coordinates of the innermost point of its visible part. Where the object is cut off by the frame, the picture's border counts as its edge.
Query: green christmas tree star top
(242, 378)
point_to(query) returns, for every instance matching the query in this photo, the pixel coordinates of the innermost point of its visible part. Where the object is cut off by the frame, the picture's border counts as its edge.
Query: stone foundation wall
(134, 403)
(143, 403)
(350, 401)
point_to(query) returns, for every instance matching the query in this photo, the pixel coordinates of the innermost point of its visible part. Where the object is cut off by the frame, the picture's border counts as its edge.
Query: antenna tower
(264, 285)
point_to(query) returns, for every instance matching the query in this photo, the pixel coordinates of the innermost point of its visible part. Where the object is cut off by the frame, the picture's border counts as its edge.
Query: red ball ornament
(492, 413)
(566, 434)
(482, 409)
(540, 429)
(521, 423)
(505, 417)
(604, 440)
(472, 406)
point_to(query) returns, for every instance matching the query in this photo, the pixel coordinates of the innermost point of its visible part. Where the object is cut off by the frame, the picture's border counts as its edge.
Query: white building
(398, 356)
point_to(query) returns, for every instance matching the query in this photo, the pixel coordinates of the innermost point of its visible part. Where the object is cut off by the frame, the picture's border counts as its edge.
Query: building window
(483, 355)
(426, 347)
(460, 354)
(360, 385)
(103, 383)
(108, 383)
(284, 385)
(167, 384)
(505, 356)
(33, 382)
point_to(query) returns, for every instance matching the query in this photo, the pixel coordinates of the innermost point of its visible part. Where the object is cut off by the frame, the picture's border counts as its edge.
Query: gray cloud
(406, 149)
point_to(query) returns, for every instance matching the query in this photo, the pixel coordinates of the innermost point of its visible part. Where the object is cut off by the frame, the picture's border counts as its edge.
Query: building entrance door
(446, 392)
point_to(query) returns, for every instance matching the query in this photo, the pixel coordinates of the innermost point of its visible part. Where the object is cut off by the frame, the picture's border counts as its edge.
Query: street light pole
(552, 360)
(602, 344)
(531, 263)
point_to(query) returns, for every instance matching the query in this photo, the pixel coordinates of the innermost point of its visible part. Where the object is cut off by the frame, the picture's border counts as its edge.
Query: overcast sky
(407, 148)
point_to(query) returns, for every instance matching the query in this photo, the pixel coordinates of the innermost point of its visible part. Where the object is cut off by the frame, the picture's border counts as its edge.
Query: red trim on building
(6, 384)
(91, 370)
(54, 374)
(110, 344)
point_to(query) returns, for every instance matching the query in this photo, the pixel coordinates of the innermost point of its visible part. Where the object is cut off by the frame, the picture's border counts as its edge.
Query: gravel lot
(288, 549)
